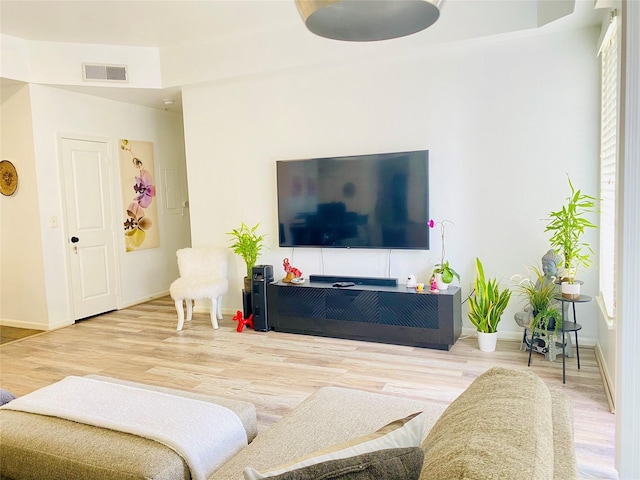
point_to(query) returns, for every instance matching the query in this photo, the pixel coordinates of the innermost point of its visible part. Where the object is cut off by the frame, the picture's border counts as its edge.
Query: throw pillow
(6, 396)
(402, 433)
(389, 464)
(500, 427)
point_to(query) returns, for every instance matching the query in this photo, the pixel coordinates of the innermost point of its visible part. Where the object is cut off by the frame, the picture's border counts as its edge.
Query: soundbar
(372, 281)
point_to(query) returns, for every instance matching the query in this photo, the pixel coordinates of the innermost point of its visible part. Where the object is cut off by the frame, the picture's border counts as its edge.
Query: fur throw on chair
(203, 275)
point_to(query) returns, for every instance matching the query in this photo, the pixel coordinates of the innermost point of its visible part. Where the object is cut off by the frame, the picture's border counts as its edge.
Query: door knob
(75, 239)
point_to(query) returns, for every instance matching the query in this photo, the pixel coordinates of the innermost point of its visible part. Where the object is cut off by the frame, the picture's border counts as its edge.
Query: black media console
(385, 314)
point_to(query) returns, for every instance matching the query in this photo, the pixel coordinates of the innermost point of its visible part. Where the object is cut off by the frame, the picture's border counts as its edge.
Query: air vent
(104, 73)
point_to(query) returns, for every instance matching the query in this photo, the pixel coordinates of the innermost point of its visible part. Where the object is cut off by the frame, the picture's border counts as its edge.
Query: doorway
(89, 226)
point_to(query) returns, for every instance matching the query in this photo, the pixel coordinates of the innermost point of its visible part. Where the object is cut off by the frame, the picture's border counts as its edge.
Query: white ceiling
(146, 23)
(162, 23)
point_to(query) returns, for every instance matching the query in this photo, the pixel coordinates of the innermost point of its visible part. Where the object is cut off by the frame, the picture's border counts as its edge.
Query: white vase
(487, 341)
(441, 285)
(570, 290)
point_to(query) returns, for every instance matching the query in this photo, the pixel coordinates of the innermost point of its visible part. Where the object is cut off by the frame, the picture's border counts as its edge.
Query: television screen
(364, 201)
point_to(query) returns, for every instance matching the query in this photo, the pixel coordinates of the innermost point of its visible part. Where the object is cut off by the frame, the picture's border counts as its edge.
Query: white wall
(143, 274)
(628, 276)
(58, 63)
(23, 301)
(505, 120)
(15, 58)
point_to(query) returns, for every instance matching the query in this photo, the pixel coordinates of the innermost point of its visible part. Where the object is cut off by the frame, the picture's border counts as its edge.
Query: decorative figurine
(291, 271)
(411, 281)
(243, 321)
(434, 285)
(419, 287)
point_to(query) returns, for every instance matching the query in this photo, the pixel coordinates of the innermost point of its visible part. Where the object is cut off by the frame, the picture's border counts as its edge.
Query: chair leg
(189, 309)
(220, 307)
(180, 313)
(214, 310)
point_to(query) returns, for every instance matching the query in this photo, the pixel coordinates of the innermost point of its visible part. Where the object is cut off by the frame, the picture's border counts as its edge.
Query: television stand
(385, 314)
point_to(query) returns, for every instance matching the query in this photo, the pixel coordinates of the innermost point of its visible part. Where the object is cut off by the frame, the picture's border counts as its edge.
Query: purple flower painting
(138, 194)
(144, 188)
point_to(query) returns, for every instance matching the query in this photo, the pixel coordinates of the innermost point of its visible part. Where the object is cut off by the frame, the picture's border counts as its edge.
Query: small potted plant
(443, 272)
(486, 307)
(540, 291)
(567, 226)
(248, 245)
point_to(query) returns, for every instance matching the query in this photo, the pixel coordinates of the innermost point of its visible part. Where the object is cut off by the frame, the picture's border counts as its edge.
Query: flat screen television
(363, 201)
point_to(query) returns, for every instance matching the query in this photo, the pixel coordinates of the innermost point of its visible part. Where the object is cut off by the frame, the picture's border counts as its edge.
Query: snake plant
(488, 303)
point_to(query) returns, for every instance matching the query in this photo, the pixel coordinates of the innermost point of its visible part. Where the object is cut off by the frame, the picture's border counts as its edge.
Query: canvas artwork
(138, 195)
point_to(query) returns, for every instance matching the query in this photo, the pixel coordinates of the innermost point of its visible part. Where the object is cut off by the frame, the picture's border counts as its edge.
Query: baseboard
(517, 336)
(200, 308)
(8, 322)
(59, 325)
(225, 310)
(609, 388)
(144, 299)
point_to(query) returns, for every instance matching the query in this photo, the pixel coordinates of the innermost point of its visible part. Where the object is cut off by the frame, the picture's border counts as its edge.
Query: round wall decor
(8, 178)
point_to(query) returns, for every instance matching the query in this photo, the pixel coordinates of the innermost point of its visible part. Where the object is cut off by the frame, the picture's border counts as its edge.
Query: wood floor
(11, 334)
(276, 371)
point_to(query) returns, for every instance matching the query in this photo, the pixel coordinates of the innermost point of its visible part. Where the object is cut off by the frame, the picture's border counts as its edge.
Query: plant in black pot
(248, 245)
(541, 312)
(567, 227)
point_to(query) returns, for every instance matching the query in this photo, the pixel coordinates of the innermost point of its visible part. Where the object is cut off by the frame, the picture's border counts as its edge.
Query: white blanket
(206, 435)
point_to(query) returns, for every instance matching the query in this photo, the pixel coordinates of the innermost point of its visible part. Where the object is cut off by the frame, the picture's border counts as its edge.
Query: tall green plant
(567, 226)
(248, 244)
(488, 304)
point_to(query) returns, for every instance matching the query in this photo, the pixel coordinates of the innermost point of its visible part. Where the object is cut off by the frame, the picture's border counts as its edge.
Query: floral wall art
(138, 195)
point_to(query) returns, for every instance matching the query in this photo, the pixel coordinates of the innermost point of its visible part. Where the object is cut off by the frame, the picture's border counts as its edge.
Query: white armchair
(203, 275)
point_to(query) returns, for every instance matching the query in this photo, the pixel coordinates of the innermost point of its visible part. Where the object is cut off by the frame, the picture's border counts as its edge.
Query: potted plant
(248, 245)
(486, 307)
(567, 226)
(541, 312)
(443, 272)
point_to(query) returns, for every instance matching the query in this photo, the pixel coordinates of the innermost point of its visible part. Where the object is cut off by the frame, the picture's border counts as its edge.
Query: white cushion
(198, 287)
(402, 433)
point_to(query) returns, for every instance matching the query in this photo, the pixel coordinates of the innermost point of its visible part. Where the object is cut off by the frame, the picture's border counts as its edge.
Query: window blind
(608, 165)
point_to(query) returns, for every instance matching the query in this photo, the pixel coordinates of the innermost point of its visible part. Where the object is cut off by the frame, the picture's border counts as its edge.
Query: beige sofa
(506, 425)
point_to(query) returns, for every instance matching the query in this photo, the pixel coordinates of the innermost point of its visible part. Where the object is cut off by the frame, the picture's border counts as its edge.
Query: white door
(89, 227)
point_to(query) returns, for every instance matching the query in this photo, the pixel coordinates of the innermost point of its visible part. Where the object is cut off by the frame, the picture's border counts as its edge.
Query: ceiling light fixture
(368, 20)
(168, 101)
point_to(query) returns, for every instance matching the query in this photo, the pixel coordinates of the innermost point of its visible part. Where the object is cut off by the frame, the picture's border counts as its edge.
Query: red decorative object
(434, 285)
(291, 271)
(243, 321)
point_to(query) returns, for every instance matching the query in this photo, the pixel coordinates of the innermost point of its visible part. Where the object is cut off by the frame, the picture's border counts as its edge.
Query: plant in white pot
(486, 307)
(443, 272)
(248, 245)
(567, 227)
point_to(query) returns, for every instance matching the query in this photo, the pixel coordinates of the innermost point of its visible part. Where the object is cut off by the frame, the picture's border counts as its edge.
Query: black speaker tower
(246, 303)
(261, 276)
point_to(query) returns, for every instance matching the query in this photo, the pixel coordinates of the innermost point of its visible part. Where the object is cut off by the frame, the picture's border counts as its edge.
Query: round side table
(571, 326)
